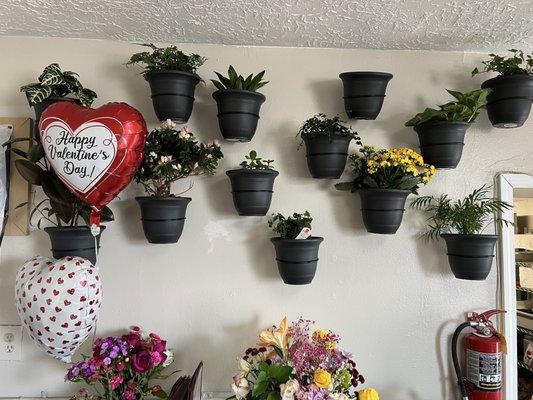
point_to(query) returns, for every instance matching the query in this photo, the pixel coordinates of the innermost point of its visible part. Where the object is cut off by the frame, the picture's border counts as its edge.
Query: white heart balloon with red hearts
(58, 302)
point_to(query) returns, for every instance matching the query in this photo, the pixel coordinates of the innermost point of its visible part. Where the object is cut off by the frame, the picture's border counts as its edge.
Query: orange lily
(276, 338)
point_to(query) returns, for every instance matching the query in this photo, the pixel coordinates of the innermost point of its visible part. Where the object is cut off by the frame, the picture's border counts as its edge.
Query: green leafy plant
(234, 81)
(290, 227)
(166, 58)
(54, 82)
(516, 64)
(321, 125)
(60, 207)
(468, 216)
(253, 162)
(171, 154)
(466, 108)
(401, 168)
(269, 379)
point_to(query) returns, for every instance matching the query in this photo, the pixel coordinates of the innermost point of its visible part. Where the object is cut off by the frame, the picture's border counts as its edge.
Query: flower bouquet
(123, 366)
(293, 364)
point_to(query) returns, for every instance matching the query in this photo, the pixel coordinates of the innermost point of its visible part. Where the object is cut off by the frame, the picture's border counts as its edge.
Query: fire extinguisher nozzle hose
(456, 365)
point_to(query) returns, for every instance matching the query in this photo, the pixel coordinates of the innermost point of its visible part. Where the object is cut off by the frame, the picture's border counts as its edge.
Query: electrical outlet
(10, 342)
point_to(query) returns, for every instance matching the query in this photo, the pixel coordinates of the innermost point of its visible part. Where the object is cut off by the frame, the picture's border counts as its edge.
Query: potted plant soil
(296, 249)
(461, 223)
(252, 185)
(170, 155)
(441, 132)
(54, 85)
(172, 78)
(238, 104)
(326, 143)
(364, 93)
(68, 215)
(384, 179)
(509, 102)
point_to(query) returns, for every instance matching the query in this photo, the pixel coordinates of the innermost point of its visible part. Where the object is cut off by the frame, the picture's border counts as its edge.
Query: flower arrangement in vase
(170, 155)
(123, 366)
(291, 363)
(384, 178)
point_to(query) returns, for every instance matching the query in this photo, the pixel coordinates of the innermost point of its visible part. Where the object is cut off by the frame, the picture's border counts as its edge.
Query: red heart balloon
(95, 152)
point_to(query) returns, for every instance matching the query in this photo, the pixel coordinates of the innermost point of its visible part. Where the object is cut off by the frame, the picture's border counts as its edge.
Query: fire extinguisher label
(484, 369)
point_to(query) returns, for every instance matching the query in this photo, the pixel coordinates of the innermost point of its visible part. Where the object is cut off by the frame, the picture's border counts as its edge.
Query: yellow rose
(322, 378)
(368, 394)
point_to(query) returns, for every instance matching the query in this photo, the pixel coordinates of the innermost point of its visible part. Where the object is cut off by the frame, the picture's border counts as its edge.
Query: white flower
(340, 396)
(152, 154)
(244, 365)
(209, 156)
(169, 359)
(240, 386)
(212, 143)
(176, 167)
(165, 159)
(168, 124)
(184, 134)
(289, 389)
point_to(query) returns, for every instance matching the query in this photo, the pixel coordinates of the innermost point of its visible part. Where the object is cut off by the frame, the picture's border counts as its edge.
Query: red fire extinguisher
(484, 347)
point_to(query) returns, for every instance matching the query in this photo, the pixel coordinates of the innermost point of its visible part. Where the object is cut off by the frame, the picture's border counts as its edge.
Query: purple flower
(142, 362)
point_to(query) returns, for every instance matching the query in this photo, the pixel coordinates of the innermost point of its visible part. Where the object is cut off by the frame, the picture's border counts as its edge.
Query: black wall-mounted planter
(470, 256)
(73, 241)
(509, 103)
(297, 259)
(40, 107)
(163, 218)
(364, 93)
(172, 94)
(325, 159)
(238, 113)
(383, 209)
(252, 190)
(442, 142)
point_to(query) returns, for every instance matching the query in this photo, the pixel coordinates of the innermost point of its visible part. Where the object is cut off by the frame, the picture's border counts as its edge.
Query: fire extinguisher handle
(455, 358)
(487, 315)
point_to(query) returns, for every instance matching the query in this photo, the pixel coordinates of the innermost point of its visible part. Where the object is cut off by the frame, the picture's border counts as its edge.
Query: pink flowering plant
(171, 154)
(123, 366)
(291, 363)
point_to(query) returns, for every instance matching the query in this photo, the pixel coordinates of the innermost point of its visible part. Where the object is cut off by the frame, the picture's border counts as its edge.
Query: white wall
(392, 298)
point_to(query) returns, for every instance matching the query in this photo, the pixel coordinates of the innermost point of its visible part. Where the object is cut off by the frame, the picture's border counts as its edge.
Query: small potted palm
(326, 142)
(252, 185)
(170, 155)
(296, 249)
(509, 102)
(441, 132)
(461, 223)
(364, 93)
(63, 216)
(55, 85)
(238, 104)
(172, 77)
(384, 179)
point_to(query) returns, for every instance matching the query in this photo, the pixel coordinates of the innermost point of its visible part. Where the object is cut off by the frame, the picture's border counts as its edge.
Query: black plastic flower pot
(163, 218)
(364, 93)
(442, 142)
(238, 113)
(172, 94)
(509, 102)
(383, 209)
(325, 159)
(470, 256)
(252, 190)
(40, 107)
(297, 259)
(73, 241)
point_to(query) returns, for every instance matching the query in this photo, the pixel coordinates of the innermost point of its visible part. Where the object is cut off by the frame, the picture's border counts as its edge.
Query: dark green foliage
(465, 109)
(235, 81)
(517, 64)
(256, 163)
(290, 227)
(167, 58)
(56, 83)
(321, 125)
(270, 377)
(468, 216)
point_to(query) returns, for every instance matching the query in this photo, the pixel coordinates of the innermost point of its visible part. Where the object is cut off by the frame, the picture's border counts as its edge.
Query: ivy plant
(253, 162)
(465, 108)
(516, 64)
(290, 227)
(234, 81)
(321, 125)
(467, 216)
(166, 58)
(53, 82)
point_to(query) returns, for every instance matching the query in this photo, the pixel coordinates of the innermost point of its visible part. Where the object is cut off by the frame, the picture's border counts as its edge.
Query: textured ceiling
(390, 24)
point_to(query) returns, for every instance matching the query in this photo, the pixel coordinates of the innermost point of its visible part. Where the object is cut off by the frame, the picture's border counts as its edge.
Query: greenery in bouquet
(291, 363)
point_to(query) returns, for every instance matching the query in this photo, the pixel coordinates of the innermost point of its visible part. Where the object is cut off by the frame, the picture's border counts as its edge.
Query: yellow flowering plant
(397, 168)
